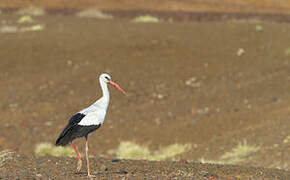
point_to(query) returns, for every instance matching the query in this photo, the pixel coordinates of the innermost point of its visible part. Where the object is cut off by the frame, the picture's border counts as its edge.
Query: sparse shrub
(131, 150)
(47, 149)
(259, 28)
(146, 19)
(237, 155)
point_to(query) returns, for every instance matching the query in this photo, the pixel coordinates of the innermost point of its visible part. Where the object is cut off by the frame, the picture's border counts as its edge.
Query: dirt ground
(212, 84)
(249, 6)
(64, 168)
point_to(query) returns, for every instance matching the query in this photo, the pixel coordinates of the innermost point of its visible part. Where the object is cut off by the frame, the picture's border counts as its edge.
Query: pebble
(240, 52)
(275, 100)
(116, 160)
(192, 82)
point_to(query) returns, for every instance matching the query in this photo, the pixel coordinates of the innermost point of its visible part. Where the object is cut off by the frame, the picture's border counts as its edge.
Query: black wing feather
(64, 138)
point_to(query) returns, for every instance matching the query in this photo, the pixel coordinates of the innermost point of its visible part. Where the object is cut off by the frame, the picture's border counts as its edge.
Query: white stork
(88, 120)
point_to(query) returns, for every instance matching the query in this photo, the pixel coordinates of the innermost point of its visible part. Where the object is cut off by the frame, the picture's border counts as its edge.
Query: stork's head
(107, 79)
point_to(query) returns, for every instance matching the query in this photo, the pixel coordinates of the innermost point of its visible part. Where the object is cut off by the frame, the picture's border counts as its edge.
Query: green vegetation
(237, 155)
(131, 150)
(146, 19)
(47, 149)
(26, 19)
(259, 28)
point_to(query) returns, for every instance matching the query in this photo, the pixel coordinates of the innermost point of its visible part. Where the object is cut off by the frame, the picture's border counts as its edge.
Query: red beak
(116, 86)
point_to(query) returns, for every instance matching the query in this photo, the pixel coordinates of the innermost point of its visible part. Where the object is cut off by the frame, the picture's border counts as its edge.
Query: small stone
(275, 100)
(192, 82)
(160, 96)
(116, 160)
(240, 51)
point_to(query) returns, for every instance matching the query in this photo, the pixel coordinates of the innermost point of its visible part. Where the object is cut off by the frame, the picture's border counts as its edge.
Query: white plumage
(88, 120)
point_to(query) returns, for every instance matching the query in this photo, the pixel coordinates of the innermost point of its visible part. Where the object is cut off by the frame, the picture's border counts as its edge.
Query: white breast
(93, 118)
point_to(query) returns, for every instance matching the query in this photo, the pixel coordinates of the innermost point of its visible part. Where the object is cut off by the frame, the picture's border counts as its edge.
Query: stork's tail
(64, 138)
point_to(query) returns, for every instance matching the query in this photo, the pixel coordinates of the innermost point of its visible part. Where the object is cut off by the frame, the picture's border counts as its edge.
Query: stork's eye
(107, 78)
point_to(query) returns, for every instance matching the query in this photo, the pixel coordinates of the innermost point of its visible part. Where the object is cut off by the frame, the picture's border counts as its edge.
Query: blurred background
(206, 80)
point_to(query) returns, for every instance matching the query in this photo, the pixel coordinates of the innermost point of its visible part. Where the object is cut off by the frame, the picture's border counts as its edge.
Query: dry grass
(47, 149)
(131, 150)
(239, 154)
(146, 19)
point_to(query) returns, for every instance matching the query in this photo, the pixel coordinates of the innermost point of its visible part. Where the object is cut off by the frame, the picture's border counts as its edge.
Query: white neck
(105, 90)
(103, 102)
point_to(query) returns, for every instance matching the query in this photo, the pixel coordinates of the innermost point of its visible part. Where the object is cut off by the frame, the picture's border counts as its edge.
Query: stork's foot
(91, 176)
(79, 165)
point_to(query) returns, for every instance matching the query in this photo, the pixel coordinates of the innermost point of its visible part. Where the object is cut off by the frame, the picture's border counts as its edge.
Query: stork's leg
(87, 154)
(79, 159)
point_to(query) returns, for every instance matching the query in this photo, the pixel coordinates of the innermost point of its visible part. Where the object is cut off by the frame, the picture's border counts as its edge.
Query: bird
(88, 120)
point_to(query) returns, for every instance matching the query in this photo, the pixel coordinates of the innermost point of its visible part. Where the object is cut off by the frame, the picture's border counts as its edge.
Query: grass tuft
(259, 28)
(47, 149)
(238, 154)
(146, 19)
(131, 150)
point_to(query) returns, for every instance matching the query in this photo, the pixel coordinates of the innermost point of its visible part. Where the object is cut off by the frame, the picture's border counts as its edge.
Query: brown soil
(47, 76)
(22, 167)
(277, 6)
